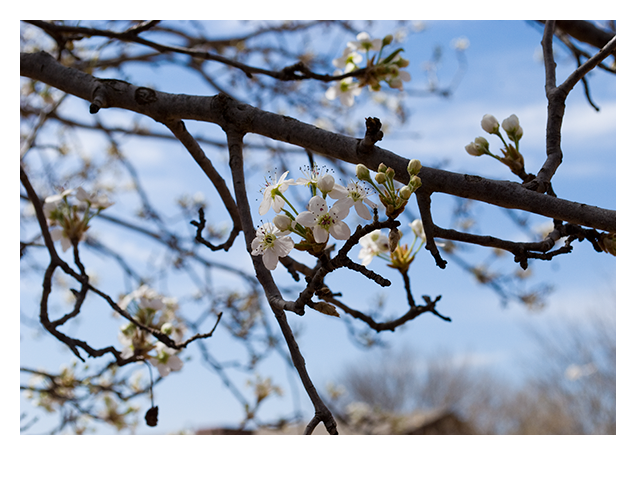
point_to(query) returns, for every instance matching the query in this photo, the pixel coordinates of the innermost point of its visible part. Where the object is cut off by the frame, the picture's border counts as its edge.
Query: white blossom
(272, 244)
(345, 90)
(373, 244)
(272, 194)
(166, 361)
(365, 43)
(283, 222)
(145, 297)
(58, 234)
(318, 178)
(460, 44)
(349, 56)
(98, 202)
(397, 77)
(357, 196)
(325, 221)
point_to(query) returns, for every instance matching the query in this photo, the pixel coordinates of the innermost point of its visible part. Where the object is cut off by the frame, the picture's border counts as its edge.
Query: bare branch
(235, 146)
(223, 111)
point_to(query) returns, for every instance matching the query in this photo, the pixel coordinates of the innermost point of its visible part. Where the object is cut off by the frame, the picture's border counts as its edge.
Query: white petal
(343, 203)
(362, 211)
(340, 209)
(53, 199)
(265, 205)
(56, 234)
(283, 246)
(338, 192)
(279, 202)
(163, 368)
(340, 230)
(306, 219)
(257, 246)
(270, 259)
(317, 205)
(66, 243)
(321, 235)
(82, 195)
(175, 363)
(347, 100)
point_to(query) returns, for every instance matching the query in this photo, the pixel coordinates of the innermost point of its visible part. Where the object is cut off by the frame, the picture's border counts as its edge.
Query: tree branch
(235, 147)
(221, 110)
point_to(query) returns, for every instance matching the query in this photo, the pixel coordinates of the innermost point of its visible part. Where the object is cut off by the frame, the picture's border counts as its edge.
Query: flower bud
(473, 149)
(415, 183)
(327, 309)
(490, 124)
(387, 40)
(282, 222)
(512, 127)
(325, 183)
(362, 172)
(477, 147)
(390, 174)
(482, 143)
(380, 178)
(382, 168)
(405, 193)
(414, 167)
(394, 239)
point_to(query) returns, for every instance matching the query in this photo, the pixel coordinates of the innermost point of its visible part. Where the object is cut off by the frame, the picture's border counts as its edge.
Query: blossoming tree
(308, 225)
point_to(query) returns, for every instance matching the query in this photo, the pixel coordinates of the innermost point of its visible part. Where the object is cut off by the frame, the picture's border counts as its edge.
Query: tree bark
(243, 118)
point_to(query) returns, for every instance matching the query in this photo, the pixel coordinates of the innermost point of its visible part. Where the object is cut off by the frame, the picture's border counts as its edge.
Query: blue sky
(503, 77)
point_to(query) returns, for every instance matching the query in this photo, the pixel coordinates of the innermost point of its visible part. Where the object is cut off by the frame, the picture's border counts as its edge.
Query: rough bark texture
(222, 110)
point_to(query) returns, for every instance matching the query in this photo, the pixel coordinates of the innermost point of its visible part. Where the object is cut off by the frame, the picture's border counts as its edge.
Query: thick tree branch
(221, 110)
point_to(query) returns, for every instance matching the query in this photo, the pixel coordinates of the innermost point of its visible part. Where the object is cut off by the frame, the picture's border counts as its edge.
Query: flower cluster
(377, 69)
(319, 221)
(70, 212)
(393, 199)
(377, 244)
(153, 310)
(511, 155)
(314, 225)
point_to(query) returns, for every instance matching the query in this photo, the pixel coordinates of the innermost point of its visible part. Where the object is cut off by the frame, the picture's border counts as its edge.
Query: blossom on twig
(271, 243)
(357, 196)
(272, 195)
(72, 217)
(166, 361)
(325, 221)
(373, 244)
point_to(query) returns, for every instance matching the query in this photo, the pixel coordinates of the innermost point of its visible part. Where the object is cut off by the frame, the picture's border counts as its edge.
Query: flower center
(325, 221)
(268, 240)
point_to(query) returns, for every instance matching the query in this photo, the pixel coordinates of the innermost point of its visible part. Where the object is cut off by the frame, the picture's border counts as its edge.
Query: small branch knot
(372, 135)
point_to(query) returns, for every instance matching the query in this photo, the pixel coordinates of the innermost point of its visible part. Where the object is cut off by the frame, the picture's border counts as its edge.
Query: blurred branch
(556, 96)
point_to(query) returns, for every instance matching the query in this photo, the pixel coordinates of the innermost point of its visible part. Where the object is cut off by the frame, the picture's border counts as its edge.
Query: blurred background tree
(157, 240)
